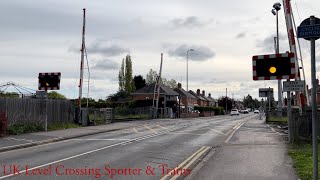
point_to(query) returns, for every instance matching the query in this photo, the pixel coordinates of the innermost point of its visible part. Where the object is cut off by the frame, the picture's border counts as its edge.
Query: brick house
(213, 102)
(200, 100)
(167, 96)
(186, 96)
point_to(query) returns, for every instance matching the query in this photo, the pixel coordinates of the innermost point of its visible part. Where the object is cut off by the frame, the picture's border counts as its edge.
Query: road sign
(307, 31)
(49, 81)
(264, 92)
(41, 94)
(293, 86)
(273, 66)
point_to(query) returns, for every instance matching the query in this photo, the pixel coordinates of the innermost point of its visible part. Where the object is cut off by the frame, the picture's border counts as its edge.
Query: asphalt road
(155, 149)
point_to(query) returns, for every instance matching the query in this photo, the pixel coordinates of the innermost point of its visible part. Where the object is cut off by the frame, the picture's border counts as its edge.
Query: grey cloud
(241, 35)
(216, 81)
(99, 48)
(267, 44)
(106, 65)
(108, 50)
(200, 53)
(189, 22)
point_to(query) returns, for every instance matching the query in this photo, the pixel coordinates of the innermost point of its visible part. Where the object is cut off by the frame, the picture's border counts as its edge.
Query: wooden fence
(34, 110)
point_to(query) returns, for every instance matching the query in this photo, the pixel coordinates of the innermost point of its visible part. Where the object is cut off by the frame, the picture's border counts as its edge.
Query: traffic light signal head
(275, 66)
(49, 81)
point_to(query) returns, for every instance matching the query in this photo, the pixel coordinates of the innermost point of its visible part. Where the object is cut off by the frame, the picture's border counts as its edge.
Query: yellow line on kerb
(192, 161)
(184, 162)
(152, 130)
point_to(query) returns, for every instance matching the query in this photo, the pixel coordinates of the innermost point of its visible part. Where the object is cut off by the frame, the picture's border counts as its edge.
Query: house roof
(198, 97)
(206, 98)
(212, 99)
(184, 93)
(149, 89)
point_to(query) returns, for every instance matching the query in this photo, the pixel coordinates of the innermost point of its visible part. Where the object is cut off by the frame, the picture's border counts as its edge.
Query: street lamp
(187, 108)
(276, 8)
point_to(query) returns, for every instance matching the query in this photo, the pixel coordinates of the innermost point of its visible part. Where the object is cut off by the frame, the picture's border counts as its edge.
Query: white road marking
(274, 130)
(16, 139)
(217, 131)
(101, 139)
(89, 152)
(152, 130)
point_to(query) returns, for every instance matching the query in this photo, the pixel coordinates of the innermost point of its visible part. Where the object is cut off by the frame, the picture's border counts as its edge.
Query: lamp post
(276, 8)
(187, 108)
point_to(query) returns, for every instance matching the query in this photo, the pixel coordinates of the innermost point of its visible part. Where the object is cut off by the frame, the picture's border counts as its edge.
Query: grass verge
(22, 128)
(302, 159)
(59, 126)
(140, 116)
(278, 120)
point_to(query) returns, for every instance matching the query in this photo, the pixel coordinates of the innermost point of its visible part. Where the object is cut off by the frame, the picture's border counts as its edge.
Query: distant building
(184, 97)
(167, 96)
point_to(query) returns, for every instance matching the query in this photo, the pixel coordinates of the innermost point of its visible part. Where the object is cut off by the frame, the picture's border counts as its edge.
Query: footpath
(254, 152)
(33, 139)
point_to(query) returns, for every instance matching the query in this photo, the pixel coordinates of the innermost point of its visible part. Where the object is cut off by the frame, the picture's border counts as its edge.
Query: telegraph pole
(82, 61)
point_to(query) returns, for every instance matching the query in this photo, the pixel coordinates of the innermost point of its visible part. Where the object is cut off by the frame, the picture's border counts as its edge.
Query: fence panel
(34, 110)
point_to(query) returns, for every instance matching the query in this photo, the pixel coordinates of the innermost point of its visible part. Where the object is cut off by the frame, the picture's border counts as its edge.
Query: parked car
(256, 111)
(196, 111)
(234, 112)
(245, 111)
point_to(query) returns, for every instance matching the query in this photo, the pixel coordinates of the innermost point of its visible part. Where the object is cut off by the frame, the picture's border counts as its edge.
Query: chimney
(209, 94)
(179, 85)
(203, 93)
(198, 92)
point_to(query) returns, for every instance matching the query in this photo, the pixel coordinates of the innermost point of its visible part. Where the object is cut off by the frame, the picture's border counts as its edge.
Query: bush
(61, 125)
(24, 128)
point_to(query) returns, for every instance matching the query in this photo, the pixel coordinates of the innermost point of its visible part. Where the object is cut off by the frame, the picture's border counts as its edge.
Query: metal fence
(34, 110)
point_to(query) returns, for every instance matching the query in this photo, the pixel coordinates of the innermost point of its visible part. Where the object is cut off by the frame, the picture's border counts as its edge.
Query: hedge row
(217, 110)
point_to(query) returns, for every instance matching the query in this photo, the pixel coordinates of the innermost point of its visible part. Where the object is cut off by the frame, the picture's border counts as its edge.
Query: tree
(222, 102)
(151, 76)
(121, 77)
(128, 80)
(9, 95)
(248, 101)
(139, 82)
(55, 95)
(125, 76)
(171, 83)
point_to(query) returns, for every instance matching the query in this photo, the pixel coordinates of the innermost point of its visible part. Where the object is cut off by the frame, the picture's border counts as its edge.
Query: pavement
(255, 151)
(33, 139)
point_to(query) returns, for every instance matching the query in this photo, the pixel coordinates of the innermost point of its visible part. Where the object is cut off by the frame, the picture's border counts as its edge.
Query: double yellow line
(190, 160)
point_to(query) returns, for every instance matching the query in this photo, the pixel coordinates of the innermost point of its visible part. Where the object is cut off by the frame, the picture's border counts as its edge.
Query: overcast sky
(45, 36)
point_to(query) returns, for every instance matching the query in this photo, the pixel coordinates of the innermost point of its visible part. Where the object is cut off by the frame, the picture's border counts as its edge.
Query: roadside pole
(314, 105)
(290, 122)
(46, 119)
(269, 95)
(226, 100)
